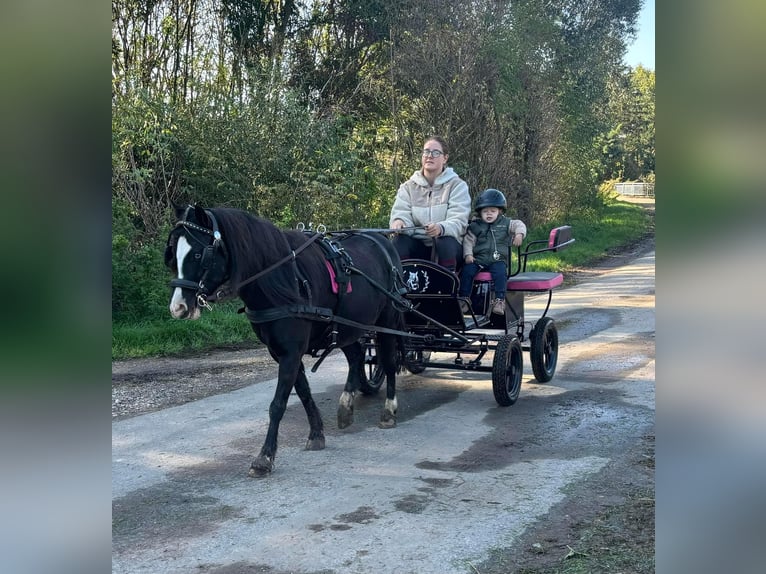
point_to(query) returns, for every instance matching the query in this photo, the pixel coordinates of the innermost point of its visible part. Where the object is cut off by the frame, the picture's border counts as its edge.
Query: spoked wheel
(415, 361)
(375, 376)
(507, 368)
(544, 349)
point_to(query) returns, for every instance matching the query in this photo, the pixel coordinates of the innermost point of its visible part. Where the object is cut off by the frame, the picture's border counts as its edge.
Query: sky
(642, 50)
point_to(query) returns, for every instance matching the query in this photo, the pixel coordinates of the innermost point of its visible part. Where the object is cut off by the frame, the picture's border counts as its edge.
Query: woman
(436, 203)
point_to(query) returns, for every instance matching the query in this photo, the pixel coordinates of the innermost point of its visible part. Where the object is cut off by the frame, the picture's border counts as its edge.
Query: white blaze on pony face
(178, 307)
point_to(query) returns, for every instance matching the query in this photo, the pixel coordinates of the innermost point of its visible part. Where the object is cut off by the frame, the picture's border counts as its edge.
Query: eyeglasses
(432, 153)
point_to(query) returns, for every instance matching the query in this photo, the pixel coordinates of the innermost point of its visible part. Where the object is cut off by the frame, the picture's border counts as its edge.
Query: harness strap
(397, 281)
(184, 284)
(226, 291)
(319, 314)
(207, 255)
(323, 314)
(339, 261)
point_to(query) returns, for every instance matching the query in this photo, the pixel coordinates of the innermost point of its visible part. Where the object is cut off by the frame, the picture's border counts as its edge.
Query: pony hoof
(315, 443)
(387, 422)
(345, 417)
(262, 466)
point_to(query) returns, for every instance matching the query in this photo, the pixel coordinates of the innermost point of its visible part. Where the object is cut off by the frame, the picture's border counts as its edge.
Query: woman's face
(433, 163)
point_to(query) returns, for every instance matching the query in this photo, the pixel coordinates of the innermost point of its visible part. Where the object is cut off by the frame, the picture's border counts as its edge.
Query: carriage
(309, 292)
(441, 335)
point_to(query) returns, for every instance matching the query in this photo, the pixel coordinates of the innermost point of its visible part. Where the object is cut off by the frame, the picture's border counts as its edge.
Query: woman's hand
(433, 229)
(517, 239)
(397, 224)
(469, 259)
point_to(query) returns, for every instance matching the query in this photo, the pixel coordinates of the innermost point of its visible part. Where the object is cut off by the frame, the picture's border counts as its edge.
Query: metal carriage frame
(435, 324)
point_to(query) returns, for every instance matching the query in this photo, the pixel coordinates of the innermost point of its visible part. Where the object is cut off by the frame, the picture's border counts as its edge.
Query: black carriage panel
(424, 277)
(433, 291)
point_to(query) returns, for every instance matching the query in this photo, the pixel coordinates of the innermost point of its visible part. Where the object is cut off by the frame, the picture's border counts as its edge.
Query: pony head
(197, 255)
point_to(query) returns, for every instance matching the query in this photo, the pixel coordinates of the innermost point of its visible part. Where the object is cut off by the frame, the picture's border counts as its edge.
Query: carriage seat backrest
(560, 238)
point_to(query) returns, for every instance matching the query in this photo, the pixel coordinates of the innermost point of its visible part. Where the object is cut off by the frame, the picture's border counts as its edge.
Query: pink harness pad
(333, 280)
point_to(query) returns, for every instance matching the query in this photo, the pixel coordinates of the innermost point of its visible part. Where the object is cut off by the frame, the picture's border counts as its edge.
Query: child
(485, 246)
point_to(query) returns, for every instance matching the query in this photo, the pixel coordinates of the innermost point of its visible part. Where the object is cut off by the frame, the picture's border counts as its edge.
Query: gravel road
(145, 385)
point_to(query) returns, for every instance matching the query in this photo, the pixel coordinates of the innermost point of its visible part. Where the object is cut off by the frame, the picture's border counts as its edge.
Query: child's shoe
(465, 307)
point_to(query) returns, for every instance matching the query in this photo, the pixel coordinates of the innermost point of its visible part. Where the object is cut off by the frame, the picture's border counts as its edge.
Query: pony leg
(387, 356)
(316, 434)
(289, 366)
(355, 357)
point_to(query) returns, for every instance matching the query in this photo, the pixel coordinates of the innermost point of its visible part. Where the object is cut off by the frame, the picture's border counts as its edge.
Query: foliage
(314, 111)
(596, 232)
(628, 147)
(139, 286)
(163, 336)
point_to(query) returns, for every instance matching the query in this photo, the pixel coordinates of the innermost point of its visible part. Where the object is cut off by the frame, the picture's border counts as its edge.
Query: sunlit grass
(167, 336)
(595, 236)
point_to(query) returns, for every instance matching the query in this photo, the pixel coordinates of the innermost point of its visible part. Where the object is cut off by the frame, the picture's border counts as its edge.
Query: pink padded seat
(534, 281)
(528, 281)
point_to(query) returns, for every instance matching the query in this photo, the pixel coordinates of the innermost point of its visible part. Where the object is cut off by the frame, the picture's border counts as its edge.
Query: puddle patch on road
(165, 513)
(412, 503)
(611, 362)
(249, 568)
(580, 324)
(362, 515)
(564, 426)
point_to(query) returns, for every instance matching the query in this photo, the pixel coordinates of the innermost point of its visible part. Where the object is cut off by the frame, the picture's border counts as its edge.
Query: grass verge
(616, 225)
(222, 327)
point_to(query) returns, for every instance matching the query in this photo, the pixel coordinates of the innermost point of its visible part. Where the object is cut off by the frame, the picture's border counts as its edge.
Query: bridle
(202, 292)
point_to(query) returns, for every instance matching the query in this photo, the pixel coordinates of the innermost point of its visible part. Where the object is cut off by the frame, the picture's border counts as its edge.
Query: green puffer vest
(486, 244)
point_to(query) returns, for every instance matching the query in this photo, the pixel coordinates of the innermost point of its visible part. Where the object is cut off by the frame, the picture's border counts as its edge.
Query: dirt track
(145, 385)
(604, 523)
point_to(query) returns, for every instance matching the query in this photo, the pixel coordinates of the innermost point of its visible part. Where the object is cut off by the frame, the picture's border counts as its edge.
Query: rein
(394, 293)
(378, 230)
(204, 299)
(224, 292)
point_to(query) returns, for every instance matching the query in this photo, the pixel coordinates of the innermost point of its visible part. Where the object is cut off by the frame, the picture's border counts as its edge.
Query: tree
(313, 110)
(631, 115)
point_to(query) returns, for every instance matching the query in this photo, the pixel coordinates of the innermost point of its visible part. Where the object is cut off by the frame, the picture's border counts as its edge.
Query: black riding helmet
(490, 198)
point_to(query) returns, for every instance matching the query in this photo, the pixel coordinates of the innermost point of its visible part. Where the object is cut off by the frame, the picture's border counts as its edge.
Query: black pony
(302, 294)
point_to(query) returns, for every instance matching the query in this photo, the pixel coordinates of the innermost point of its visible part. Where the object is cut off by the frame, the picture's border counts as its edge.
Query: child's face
(489, 214)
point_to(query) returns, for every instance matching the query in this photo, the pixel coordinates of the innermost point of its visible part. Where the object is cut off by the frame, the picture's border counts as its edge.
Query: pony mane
(255, 243)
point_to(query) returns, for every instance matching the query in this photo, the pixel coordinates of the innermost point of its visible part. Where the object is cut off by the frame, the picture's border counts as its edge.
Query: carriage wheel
(415, 361)
(507, 368)
(371, 384)
(544, 349)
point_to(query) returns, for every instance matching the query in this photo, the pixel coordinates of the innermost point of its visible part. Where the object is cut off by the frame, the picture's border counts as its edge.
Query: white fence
(635, 189)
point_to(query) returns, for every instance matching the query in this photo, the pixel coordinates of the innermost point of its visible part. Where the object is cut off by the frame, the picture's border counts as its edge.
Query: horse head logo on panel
(417, 281)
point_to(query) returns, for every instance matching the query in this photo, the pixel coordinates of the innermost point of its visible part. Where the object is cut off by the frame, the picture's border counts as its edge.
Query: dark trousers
(448, 250)
(496, 269)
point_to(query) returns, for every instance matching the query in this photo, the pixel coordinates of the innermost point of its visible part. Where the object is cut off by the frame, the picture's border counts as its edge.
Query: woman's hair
(440, 139)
